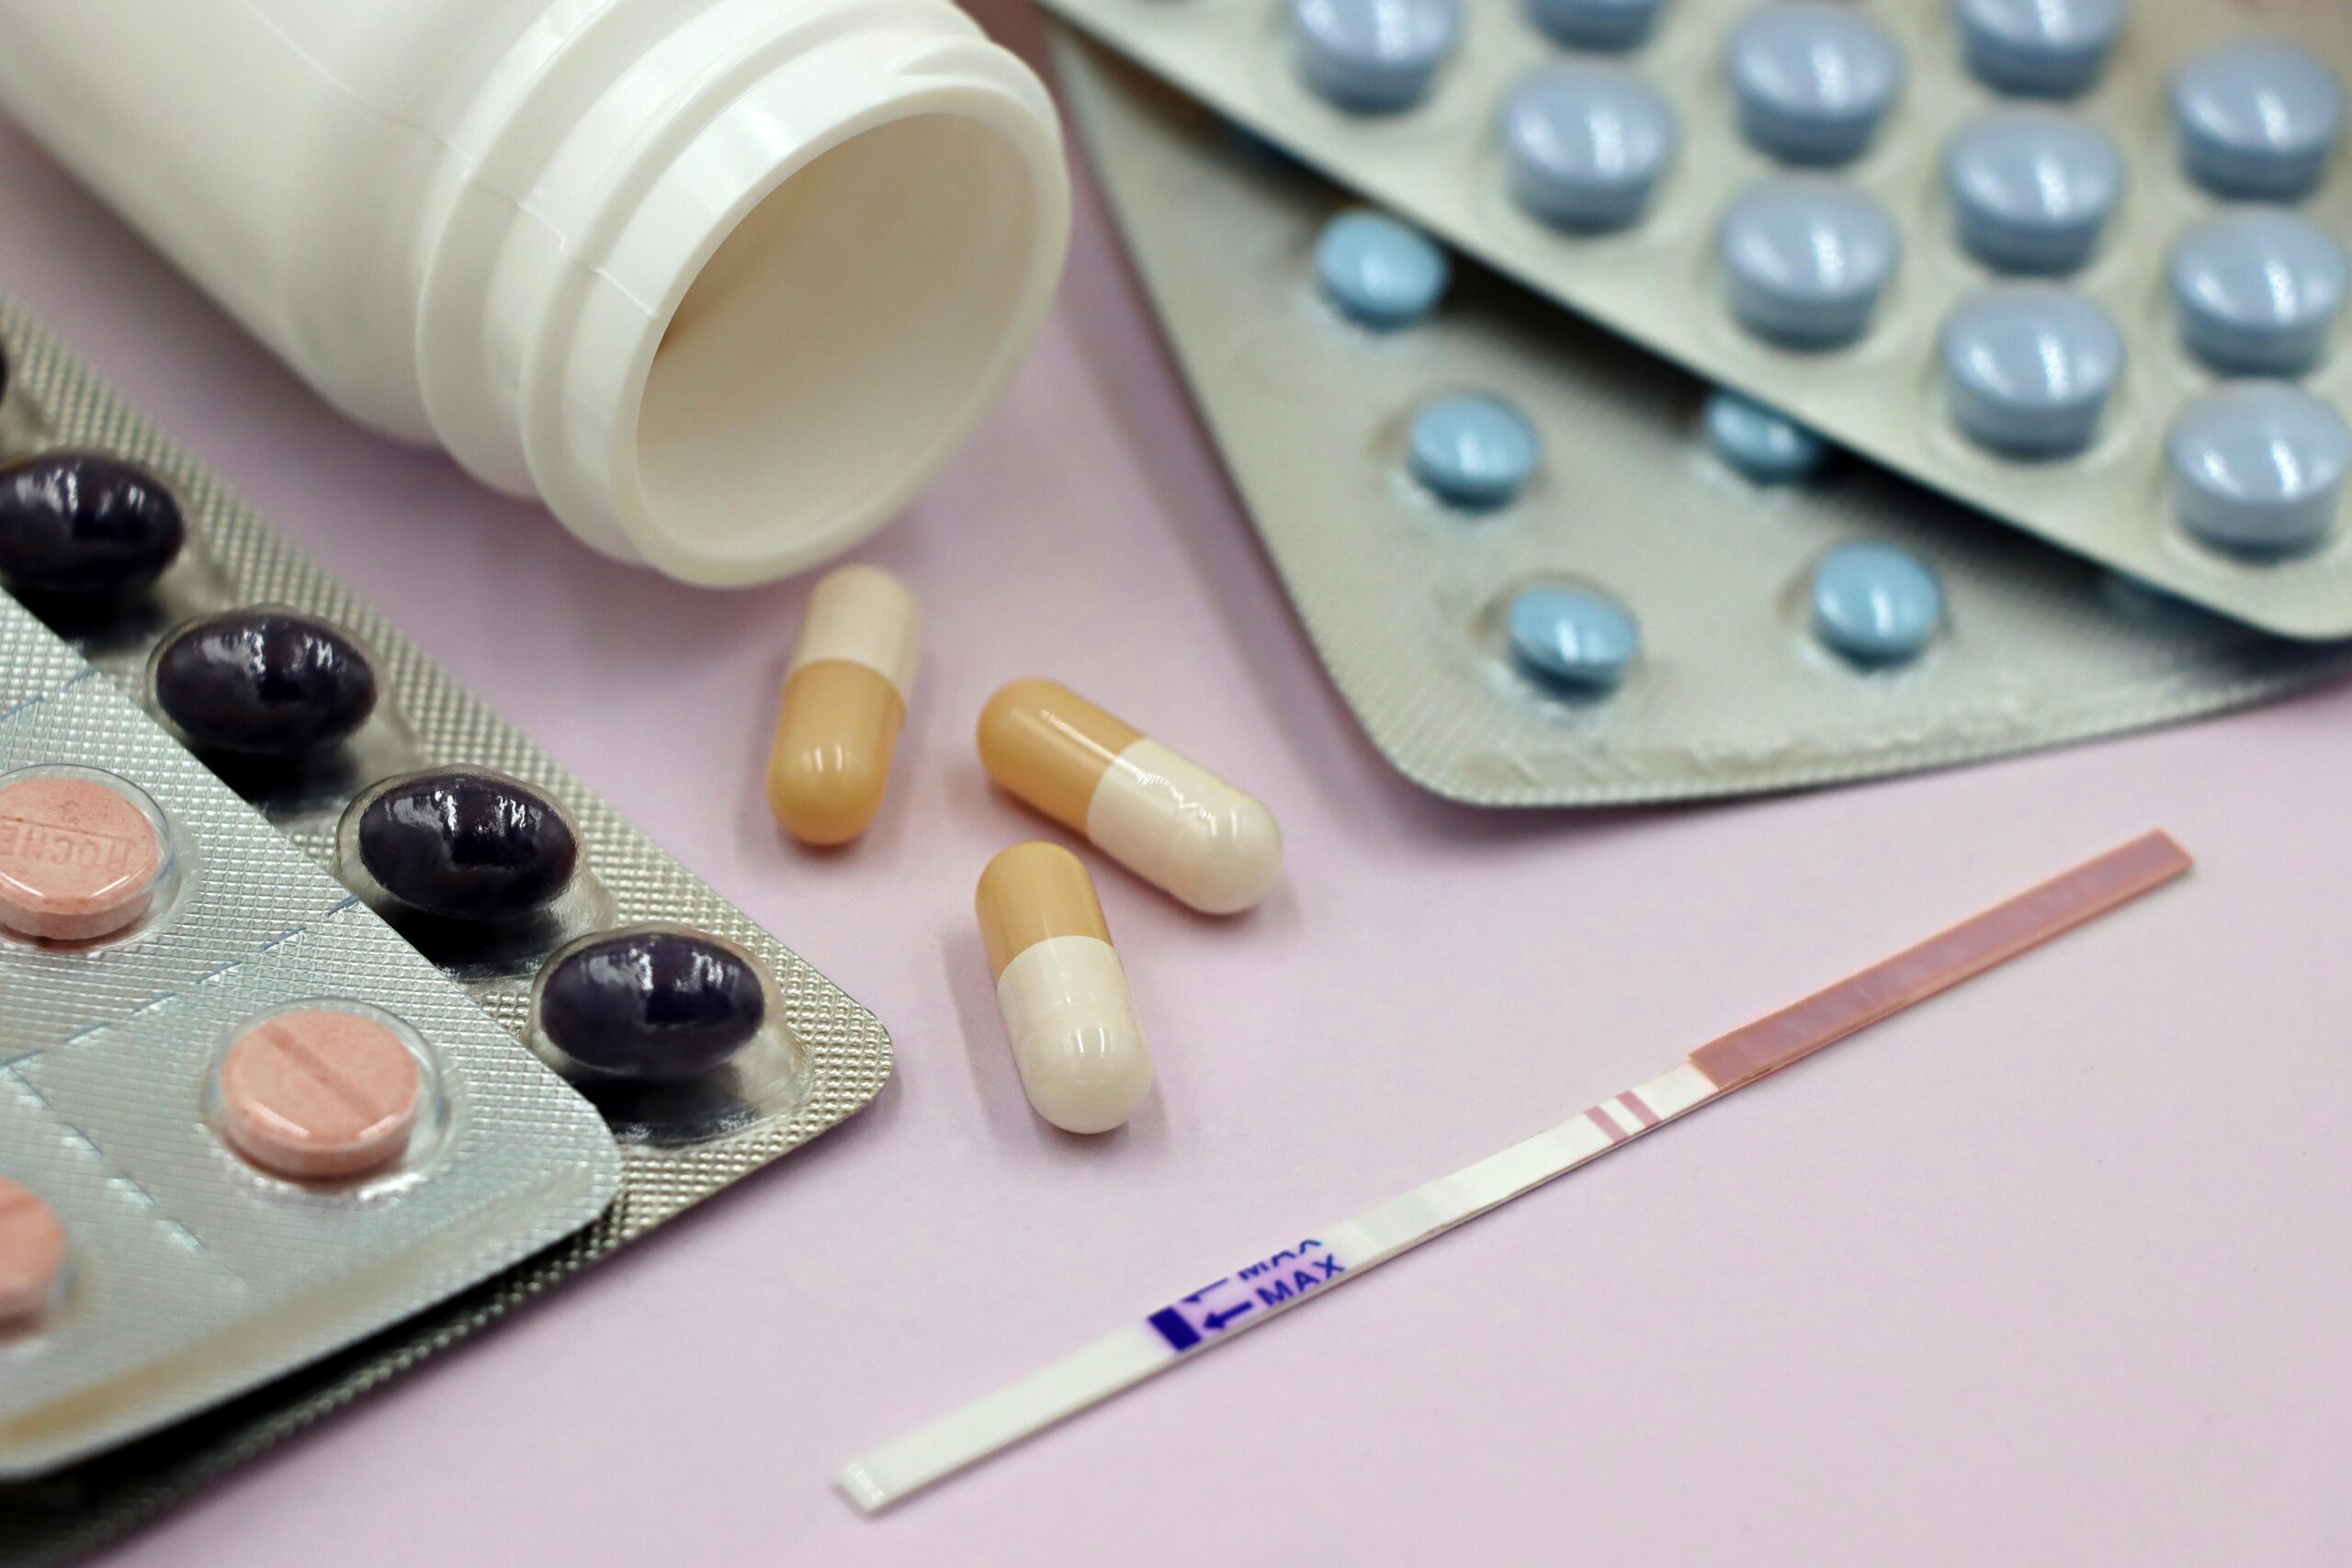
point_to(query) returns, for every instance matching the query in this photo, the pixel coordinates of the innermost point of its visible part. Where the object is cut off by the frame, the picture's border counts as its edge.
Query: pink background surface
(2053, 1271)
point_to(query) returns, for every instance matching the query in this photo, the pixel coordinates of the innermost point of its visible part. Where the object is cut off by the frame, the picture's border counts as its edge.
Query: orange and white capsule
(1083, 1061)
(1150, 808)
(844, 702)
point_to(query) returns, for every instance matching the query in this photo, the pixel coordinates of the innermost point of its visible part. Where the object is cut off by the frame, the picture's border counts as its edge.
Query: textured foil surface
(1660, 282)
(1403, 598)
(235, 557)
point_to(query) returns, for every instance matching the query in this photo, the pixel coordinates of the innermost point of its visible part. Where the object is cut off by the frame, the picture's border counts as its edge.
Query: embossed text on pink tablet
(32, 1252)
(319, 1093)
(77, 860)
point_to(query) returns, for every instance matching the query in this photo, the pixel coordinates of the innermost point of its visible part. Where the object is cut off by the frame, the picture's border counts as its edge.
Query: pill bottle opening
(848, 331)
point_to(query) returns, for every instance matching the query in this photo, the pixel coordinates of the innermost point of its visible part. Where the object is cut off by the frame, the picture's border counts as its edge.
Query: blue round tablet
(1596, 24)
(2258, 468)
(1814, 80)
(1373, 56)
(1574, 637)
(2259, 292)
(1585, 145)
(2029, 368)
(2039, 48)
(1472, 450)
(2032, 191)
(1806, 260)
(2257, 120)
(1762, 442)
(1378, 271)
(1875, 603)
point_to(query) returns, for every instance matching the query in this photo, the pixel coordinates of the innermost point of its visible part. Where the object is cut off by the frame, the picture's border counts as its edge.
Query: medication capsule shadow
(1083, 1060)
(844, 702)
(1155, 811)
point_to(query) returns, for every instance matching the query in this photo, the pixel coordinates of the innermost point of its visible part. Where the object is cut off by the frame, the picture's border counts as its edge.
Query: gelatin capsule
(1155, 811)
(844, 700)
(1083, 1060)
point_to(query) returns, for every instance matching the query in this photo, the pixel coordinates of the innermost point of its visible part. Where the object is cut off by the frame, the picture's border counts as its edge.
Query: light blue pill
(1875, 603)
(1814, 80)
(2257, 120)
(2258, 468)
(2051, 49)
(1575, 637)
(1474, 451)
(2029, 368)
(2259, 292)
(1373, 56)
(1585, 145)
(1378, 271)
(2032, 191)
(1805, 261)
(1596, 24)
(1763, 444)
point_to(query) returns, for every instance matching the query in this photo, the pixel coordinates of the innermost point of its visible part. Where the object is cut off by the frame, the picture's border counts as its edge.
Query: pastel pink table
(2054, 1270)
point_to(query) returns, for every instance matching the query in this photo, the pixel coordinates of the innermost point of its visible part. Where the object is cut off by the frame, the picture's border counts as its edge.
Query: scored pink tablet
(32, 1253)
(78, 860)
(320, 1093)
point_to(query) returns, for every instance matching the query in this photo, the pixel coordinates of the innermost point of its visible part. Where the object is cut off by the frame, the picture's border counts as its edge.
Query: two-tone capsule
(1155, 811)
(1082, 1057)
(844, 702)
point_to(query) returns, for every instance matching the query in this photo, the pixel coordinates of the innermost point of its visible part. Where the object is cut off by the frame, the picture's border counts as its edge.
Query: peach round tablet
(32, 1253)
(78, 859)
(319, 1092)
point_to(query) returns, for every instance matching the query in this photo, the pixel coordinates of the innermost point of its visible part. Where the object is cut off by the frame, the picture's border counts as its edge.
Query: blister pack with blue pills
(1547, 569)
(2077, 264)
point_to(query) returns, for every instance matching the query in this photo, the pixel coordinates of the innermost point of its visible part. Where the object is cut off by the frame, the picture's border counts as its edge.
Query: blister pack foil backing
(1660, 282)
(1400, 596)
(841, 1055)
(195, 1275)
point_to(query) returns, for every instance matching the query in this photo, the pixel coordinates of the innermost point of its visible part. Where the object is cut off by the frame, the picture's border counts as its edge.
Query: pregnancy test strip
(1275, 1283)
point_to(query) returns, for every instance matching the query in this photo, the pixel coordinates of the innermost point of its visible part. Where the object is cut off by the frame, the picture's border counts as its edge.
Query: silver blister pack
(816, 1058)
(1401, 595)
(1458, 163)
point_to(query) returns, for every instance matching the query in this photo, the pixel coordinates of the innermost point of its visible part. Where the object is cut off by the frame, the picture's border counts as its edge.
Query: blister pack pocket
(2099, 305)
(1730, 684)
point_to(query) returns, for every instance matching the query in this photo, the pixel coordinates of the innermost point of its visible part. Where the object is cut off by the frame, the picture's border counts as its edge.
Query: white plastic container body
(722, 281)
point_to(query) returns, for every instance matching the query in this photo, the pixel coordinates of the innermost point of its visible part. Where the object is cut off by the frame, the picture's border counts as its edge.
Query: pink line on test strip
(1303, 1270)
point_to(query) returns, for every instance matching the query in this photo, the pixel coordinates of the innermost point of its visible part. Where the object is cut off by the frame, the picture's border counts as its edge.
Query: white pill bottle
(722, 281)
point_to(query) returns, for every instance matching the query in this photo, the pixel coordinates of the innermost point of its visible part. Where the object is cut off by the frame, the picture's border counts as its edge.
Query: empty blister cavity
(1806, 260)
(269, 682)
(2257, 121)
(1763, 444)
(77, 526)
(2039, 48)
(2259, 292)
(1815, 81)
(85, 856)
(32, 1257)
(1373, 56)
(1597, 24)
(2258, 469)
(1875, 603)
(2029, 369)
(1586, 146)
(2032, 189)
(1572, 640)
(326, 1090)
(1379, 271)
(1472, 450)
